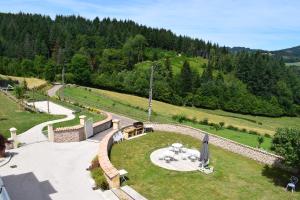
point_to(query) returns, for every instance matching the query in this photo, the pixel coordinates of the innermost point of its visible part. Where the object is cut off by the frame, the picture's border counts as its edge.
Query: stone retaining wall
(69, 134)
(77, 133)
(102, 125)
(250, 152)
(110, 172)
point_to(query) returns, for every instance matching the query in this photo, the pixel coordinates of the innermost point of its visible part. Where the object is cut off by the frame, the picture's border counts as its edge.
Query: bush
(222, 124)
(244, 130)
(99, 178)
(97, 175)
(267, 135)
(286, 142)
(204, 121)
(180, 118)
(230, 127)
(253, 132)
(217, 127)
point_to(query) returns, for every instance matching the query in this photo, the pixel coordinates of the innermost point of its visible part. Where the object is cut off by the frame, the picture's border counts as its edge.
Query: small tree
(222, 124)
(286, 142)
(19, 91)
(260, 140)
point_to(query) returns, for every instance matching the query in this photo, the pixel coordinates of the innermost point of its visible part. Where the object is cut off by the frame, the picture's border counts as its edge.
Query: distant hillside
(289, 55)
(240, 49)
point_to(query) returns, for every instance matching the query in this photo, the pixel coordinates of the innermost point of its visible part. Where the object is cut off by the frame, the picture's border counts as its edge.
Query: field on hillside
(31, 82)
(133, 107)
(255, 123)
(11, 115)
(293, 64)
(196, 63)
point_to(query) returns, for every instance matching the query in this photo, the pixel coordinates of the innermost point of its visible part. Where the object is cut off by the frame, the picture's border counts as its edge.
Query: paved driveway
(51, 171)
(41, 170)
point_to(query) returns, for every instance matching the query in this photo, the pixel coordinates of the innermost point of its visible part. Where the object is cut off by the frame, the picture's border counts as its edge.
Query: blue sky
(263, 24)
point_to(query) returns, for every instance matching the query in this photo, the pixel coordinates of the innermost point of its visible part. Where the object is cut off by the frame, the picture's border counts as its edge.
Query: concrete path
(54, 89)
(44, 171)
(41, 170)
(35, 134)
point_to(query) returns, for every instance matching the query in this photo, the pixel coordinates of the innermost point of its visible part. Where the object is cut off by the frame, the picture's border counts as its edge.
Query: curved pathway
(51, 92)
(35, 134)
(45, 170)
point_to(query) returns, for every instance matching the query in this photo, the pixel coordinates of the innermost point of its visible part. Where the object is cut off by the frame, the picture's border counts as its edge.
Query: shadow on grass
(278, 176)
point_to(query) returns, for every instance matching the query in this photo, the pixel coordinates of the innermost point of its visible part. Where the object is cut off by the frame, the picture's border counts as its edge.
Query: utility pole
(48, 105)
(63, 75)
(150, 95)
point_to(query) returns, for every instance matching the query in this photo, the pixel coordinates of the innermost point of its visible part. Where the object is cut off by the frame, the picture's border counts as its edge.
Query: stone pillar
(82, 119)
(116, 124)
(14, 137)
(50, 133)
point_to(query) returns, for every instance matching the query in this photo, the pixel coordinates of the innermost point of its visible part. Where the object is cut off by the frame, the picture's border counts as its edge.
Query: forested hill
(26, 35)
(289, 54)
(117, 55)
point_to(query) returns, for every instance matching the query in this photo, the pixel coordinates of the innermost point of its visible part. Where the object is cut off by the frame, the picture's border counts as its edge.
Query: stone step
(132, 193)
(110, 195)
(121, 194)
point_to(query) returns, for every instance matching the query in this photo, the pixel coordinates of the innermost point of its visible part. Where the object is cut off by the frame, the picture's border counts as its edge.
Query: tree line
(104, 53)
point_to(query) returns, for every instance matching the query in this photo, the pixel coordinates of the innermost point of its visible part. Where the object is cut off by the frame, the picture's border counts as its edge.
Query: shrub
(194, 120)
(204, 121)
(253, 132)
(260, 140)
(97, 175)
(217, 127)
(259, 123)
(244, 130)
(286, 142)
(230, 127)
(222, 124)
(2, 145)
(180, 118)
(267, 135)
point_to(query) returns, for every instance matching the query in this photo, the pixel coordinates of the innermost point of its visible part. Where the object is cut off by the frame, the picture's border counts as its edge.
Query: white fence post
(50, 133)
(116, 124)
(14, 137)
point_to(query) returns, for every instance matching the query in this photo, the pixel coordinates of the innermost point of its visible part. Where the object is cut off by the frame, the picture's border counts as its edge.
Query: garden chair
(292, 183)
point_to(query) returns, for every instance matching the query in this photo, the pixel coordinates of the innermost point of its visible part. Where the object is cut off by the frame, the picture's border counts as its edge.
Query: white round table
(168, 154)
(177, 145)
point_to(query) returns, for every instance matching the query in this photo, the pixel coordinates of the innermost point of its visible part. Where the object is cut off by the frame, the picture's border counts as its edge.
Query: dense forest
(105, 54)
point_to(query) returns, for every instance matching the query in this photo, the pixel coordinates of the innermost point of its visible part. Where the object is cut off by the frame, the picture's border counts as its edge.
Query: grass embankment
(136, 107)
(31, 82)
(12, 115)
(235, 176)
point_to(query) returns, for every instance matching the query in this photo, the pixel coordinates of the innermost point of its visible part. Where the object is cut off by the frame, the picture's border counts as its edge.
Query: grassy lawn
(73, 122)
(100, 99)
(11, 115)
(235, 176)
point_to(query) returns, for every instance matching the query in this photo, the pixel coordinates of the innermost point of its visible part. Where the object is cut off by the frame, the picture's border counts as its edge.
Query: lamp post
(150, 94)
